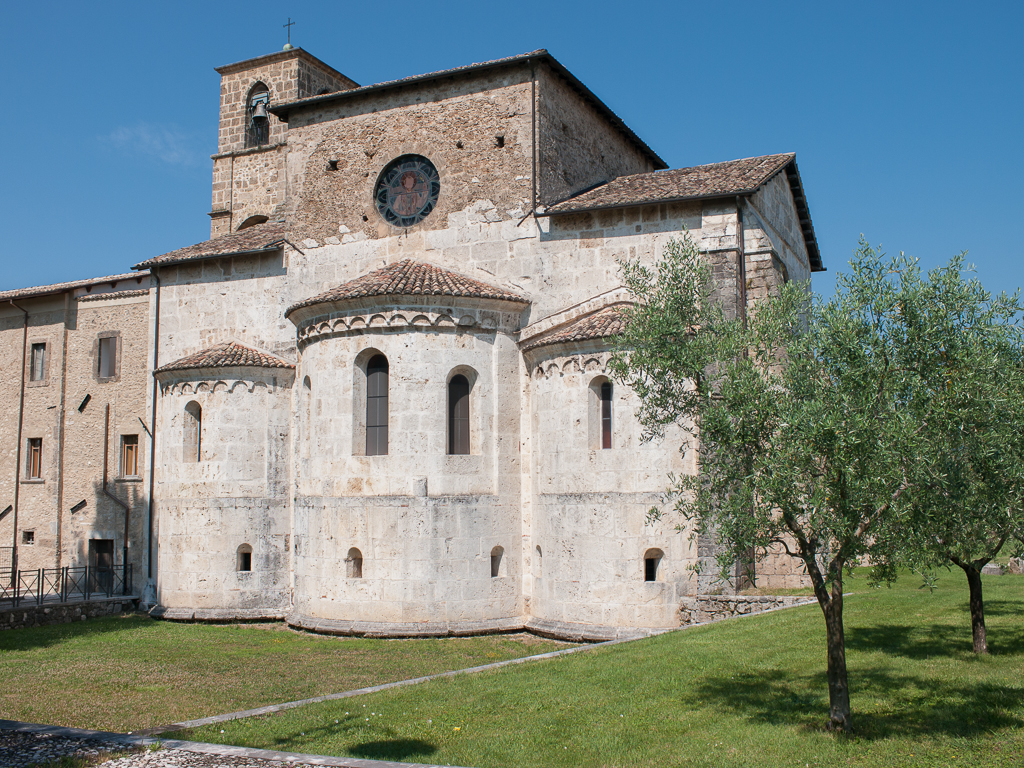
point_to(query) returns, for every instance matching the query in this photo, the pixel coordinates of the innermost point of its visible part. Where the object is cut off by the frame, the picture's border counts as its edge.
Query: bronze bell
(260, 112)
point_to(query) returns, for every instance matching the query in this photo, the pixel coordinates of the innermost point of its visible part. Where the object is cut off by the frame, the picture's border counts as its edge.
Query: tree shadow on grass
(884, 704)
(32, 638)
(918, 641)
(376, 741)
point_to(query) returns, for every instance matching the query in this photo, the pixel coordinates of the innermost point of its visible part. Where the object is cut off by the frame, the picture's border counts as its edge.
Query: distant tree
(968, 495)
(807, 424)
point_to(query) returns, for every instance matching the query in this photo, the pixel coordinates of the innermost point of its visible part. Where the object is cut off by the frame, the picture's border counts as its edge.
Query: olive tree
(808, 422)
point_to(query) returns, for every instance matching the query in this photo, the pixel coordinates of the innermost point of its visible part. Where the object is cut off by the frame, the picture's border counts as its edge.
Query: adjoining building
(380, 393)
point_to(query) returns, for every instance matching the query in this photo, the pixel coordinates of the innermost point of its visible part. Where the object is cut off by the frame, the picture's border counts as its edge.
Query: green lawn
(129, 673)
(743, 692)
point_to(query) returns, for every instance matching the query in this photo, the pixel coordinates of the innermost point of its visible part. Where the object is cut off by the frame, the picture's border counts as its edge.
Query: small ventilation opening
(497, 562)
(499, 140)
(244, 562)
(652, 562)
(332, 164)
(28, 537)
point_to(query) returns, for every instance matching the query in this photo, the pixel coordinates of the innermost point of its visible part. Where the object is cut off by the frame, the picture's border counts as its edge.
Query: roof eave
(301, 312)
(156, 263)
(282, 111)
(640, 204)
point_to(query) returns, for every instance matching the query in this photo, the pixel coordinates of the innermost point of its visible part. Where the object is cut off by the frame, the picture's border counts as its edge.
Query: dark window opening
(37, 368)
(28, 537)
(458, 416)
(652, 560)
(499, 141)
(354, 564)
(101, 564)
(107, 357)
(244, 561)
(332, 165)
(34, 460)
(377, 406)
(606, 415)
(129, 455)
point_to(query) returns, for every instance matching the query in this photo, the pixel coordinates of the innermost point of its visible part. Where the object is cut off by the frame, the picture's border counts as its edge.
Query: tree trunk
(977, 607)
(839, 716)
(838, 689)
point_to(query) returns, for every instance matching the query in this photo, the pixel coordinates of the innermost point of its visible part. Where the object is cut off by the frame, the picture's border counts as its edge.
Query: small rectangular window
(129, 455)
(107, 364)
(28, 537)
(245, 561)
(34, 459)
(37, 365)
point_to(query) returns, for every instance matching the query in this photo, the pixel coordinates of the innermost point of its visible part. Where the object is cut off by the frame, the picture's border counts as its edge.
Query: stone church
(377, 400)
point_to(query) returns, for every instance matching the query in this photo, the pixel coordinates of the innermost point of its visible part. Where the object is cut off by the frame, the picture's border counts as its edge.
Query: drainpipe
(109, 495)
(17, 452)
(60, 432)
(741, 262)
(152, 429)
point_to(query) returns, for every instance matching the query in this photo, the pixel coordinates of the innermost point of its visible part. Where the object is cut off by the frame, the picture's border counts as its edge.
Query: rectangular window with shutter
(129, 455)
(37, 363)
(34, 459)
(107, 357)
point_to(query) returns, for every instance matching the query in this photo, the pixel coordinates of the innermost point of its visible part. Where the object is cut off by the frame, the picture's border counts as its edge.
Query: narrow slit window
(192, 433)
(37, 368)
(497, 562)
(129, 455)
(606, 415)
(107, 357)
(34, 460)
(377, 406)
(458, 415)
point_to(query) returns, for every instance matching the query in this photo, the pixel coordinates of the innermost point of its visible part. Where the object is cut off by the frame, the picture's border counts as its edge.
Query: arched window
(251, 222)
(354, 564)
(458, 415)
(377, 406)
(243, 563)
(257, 120)
(652, 563)
(601, 393)
(497, 562)
(192, 433)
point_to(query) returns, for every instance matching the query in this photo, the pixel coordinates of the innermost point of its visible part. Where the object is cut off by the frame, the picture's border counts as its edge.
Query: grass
(747, 692)
(130, 672)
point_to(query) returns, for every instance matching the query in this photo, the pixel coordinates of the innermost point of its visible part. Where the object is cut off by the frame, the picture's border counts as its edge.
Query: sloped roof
(258, 238)
(283, 110)
(46, 290)
(410, 278)
(734, 177)
(230, 354)
(606, 322)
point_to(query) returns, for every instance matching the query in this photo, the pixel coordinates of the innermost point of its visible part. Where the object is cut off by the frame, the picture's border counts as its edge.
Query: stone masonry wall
(577, 148)
(61, 613)
(702, 609)
(458, 126)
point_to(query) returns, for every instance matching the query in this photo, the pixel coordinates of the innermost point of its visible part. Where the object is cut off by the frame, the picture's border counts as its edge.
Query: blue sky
(907, 118)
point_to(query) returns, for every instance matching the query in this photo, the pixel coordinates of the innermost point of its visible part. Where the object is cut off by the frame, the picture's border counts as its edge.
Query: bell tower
(248, 169)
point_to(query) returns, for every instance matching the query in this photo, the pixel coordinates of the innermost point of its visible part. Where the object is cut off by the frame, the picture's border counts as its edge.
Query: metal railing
(68, 584)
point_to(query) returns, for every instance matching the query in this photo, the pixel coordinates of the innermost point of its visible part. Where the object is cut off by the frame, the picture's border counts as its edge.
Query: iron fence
(68, 584)
(7, 565)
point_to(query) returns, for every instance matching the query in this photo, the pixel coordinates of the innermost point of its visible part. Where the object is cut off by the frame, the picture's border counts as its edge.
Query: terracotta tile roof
(114, 295)
(735, 177)
(267, 236)
(410, 278)
(602, 324)
(46, 290)
(282, 110)
(230, 354)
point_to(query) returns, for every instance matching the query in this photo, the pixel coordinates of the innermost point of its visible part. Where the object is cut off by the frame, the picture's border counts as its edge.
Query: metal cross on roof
(289, 26)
